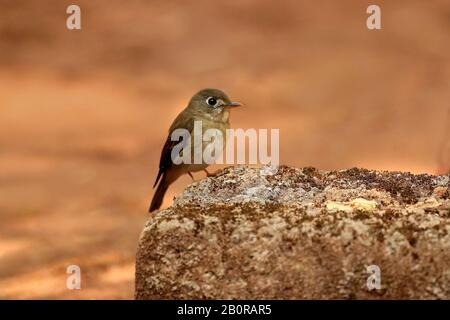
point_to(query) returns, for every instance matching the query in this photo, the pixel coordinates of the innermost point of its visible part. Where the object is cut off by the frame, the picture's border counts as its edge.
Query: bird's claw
(208, 174)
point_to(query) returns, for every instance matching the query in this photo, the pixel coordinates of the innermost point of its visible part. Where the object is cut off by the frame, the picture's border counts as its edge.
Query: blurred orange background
(84, 113)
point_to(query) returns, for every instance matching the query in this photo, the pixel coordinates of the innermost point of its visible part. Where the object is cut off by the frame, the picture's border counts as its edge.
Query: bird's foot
(209, 174)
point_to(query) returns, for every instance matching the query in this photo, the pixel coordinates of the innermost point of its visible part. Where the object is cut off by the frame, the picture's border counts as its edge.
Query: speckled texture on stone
(287, 233)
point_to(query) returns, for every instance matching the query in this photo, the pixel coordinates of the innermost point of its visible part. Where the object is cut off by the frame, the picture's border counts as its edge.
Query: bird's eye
(211, 101)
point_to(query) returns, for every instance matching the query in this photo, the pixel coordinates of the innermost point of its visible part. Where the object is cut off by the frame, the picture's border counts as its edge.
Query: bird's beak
(234, 104)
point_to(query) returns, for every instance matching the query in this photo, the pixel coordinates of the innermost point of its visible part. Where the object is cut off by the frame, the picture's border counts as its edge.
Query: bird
(212, 108)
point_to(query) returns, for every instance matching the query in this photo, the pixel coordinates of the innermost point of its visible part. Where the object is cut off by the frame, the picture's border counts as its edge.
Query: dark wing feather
(183, 121)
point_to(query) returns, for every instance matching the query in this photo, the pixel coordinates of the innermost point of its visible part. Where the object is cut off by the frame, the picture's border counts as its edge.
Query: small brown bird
(211, 107)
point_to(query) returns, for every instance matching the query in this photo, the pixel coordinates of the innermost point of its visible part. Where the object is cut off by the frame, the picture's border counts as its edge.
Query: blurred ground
(84, 114)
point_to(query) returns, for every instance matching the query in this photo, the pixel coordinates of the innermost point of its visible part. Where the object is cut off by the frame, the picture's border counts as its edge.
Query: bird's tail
(158, 197)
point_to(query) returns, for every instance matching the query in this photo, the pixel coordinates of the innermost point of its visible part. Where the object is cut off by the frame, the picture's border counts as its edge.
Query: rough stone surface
(287, 233)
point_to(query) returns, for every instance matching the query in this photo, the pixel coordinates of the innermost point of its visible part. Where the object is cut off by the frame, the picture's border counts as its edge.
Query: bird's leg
(208, 174)
(190, 174)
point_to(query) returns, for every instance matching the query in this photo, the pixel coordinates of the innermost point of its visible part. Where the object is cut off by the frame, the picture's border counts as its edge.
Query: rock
(287, 233)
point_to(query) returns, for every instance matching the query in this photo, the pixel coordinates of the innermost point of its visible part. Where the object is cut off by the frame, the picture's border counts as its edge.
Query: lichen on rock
(288, 233)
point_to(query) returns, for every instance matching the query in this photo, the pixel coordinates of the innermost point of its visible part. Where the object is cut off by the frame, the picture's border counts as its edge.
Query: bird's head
(211, 102)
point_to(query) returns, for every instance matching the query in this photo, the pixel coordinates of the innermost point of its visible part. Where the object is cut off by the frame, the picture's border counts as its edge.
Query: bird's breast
(225, 116)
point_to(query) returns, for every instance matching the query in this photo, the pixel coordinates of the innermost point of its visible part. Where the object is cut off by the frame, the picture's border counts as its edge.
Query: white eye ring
(211, 101)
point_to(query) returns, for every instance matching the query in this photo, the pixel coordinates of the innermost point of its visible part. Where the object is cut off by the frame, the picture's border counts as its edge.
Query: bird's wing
(182, 121)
